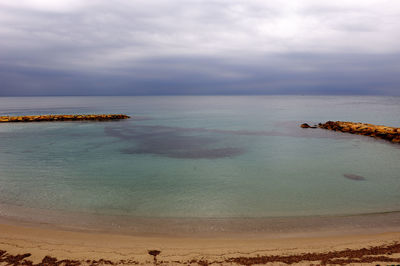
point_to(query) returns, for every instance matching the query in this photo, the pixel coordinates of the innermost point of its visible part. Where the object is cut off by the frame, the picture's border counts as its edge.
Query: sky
(199, 47)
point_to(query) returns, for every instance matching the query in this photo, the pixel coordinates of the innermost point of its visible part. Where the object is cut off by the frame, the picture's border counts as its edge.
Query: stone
(396, 140)
(387, 133)
(39, 118)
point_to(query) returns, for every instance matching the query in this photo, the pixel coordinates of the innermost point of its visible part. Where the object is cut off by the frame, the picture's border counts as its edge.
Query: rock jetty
(305, 125)
(42, 118)
(388, 133)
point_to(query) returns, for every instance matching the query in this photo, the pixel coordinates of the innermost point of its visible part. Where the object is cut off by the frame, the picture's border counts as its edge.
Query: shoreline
(255, 227)
(86, 248)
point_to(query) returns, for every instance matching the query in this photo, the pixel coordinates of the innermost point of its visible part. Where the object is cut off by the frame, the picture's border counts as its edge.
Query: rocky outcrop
(388, 133)
(305, 125)
(41, 118)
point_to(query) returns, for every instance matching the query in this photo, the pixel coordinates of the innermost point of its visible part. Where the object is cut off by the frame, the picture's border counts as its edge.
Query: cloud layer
(102, 47)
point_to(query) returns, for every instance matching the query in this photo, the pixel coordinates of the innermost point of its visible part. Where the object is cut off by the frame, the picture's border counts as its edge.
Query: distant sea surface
(199, 157)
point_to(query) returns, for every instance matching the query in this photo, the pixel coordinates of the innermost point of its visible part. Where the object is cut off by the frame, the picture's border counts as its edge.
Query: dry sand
(83, 248)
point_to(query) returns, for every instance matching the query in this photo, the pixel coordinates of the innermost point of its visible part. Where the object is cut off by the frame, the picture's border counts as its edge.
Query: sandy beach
(42, 237)
(25, 245)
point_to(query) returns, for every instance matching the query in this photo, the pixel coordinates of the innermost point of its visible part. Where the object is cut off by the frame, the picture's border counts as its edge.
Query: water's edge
(274, 227)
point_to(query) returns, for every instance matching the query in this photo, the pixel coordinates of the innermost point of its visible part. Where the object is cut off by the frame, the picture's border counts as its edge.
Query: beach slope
(21, 245)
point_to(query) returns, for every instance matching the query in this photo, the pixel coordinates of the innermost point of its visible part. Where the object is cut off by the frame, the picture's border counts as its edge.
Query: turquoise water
(200, 156)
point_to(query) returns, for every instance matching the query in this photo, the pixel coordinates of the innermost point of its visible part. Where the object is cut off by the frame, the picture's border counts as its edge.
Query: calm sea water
(211, 156)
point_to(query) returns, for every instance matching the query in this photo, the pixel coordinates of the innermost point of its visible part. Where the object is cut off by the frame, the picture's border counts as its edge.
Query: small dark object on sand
(154, 253)
(354, 177)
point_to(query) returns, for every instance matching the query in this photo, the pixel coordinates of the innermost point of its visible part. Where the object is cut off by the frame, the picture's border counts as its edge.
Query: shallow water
(200, 157)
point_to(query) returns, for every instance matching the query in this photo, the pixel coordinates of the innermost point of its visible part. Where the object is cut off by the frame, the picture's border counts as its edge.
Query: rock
(388, 133)
(305, 125)
(36, 118)
(396, 140)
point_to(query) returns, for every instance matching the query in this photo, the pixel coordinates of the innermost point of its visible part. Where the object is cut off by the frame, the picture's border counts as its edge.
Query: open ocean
(198, 157)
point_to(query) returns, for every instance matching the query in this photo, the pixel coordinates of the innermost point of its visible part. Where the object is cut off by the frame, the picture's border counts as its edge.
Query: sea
(211, 163)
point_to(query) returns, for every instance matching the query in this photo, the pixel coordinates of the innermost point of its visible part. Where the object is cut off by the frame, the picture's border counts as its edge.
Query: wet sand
(43, 237)
(39, 245)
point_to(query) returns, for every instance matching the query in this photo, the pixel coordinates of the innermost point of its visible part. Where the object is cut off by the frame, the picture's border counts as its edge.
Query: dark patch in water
(283, 130)
(127, 130)
(354, 177)
(172, 142)
(188, 154)
(178, 142)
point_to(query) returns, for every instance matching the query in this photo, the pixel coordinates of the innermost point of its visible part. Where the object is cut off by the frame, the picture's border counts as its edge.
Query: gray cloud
(199, 47)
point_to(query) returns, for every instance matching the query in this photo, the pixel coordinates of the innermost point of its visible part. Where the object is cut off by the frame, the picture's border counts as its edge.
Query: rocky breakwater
(388, 133)
(42, 118)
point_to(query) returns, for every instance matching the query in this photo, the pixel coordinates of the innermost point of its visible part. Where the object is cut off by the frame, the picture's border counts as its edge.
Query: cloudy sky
(136, 47)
